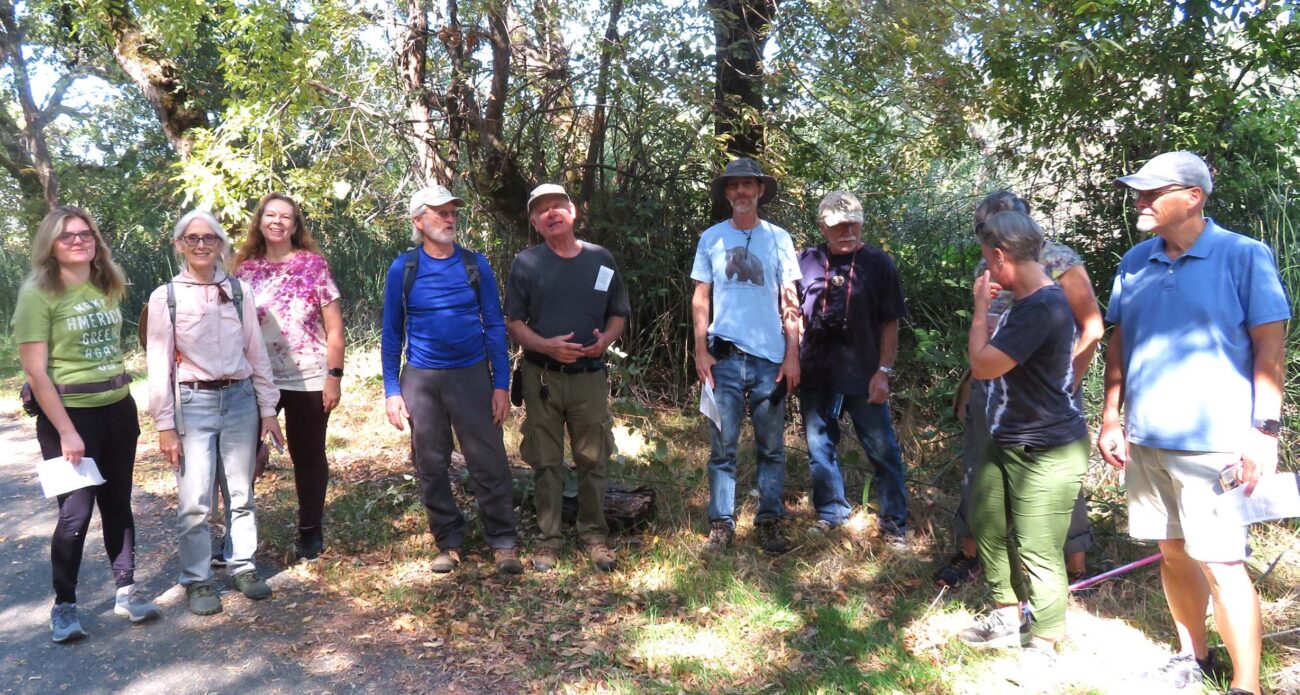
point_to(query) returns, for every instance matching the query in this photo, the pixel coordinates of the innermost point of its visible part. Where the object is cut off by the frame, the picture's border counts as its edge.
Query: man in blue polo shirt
(1195, 362)
(457, 377)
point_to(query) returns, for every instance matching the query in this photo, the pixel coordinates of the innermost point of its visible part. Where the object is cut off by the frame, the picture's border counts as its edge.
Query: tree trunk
(595, 150)
(31, 158)
(741, 29)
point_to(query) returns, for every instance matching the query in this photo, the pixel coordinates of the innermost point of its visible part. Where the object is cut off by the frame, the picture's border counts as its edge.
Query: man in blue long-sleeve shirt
(457, 377)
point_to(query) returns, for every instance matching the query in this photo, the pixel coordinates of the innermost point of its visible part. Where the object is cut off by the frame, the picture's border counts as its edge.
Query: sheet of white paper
(58, 476)
(1276, 496)
(603, 276)
(709, 407)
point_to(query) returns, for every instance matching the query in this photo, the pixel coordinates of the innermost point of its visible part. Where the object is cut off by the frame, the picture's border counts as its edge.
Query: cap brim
(535, 200)
(1142, 182)
(840, 217)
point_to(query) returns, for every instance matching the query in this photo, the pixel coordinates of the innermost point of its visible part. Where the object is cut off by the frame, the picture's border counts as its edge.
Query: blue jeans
(876, 434)
(743, 382)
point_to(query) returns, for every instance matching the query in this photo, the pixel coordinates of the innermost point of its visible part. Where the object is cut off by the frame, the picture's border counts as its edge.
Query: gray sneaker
(251, 585)
(993, 631)
(64, 626)
(1182, 671)
(202, 600)
(131, 605)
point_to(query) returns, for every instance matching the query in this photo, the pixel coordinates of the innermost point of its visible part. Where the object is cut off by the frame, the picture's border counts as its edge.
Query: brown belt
(113, 384)
(214, 385)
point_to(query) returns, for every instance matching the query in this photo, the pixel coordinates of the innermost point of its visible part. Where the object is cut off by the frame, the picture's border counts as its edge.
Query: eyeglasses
(193, 240)
(67, 238)
(1154, 195)
(445, 214)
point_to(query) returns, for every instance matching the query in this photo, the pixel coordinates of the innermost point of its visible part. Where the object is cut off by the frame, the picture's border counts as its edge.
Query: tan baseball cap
(545, 190)
(432, 196)
(839, 207)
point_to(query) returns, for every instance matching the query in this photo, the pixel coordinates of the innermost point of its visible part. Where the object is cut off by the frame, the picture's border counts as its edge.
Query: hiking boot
(822, 526)
(446, 561)
(311, 543)
(251, 585)
(770, 538)
(601, 556)
(136, 608)
(507, 561)
(1182, 671)
(720, 536)
(994, 631)
(896, 542)
(64, 626)
(959, 570)
(202, 600)
(545, 559)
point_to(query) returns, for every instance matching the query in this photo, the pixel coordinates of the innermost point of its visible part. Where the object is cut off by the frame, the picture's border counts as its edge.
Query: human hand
(878, 390)
(332, 393)
(789, 372)
(271, 426)
(500, 406)
(597, 348)
(395, 406)
(562, 349)
(1258, 459)
(170, 446)
(1113, 445)
(983, 293)
(704, 366)
(73, 447)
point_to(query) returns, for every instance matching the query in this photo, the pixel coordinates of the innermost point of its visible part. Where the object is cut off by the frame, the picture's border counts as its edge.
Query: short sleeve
(515, 305)
(789, 260)
(702, 269)
(1022, 333)
(31, 320)
(618, 305)
(893, 306)
(326, 291)
(1113, 306)
(1058, 259)
(1265, 299)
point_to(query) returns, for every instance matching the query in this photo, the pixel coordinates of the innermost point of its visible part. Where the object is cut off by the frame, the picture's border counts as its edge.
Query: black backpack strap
(470, 262)
(237, 295)
(410, 262)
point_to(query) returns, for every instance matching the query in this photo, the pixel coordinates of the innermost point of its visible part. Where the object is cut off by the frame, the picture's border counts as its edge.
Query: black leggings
(305, 421)
(110, 433)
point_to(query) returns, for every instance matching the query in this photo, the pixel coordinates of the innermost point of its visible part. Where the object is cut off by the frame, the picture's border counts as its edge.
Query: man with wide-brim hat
(1195, 362)
(443, 315)
(745, 311)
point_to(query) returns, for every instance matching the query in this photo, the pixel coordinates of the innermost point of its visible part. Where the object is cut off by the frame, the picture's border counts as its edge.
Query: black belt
(113, 384)
(544, 362)
(214, 385)
(721, 348)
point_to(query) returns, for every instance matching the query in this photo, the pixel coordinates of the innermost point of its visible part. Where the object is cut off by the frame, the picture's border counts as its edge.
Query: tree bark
(741, 29)
(32, 157)
(596, 148)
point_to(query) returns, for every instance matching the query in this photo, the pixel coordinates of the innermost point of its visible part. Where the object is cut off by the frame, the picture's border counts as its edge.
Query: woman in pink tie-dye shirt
(302, 324)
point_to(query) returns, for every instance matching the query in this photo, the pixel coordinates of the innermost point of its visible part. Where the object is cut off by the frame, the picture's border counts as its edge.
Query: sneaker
(311, 543)
(446, 561)
(251, 585)
(1181, 671)
(959, 570)
(993, 631)
(896, 541)
(720, 536)
(507, 561)
(131, 605)
(822, 526)
(202, 600)
(601, 556)
(64, 626)
(218, 559)
(770, 538)
(545, 559)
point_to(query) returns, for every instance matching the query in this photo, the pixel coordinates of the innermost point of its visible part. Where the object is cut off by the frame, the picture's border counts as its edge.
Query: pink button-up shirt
(211, 342)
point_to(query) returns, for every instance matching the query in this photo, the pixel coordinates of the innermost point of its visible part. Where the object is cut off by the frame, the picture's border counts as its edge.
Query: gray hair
(213, 224)
(1015, 233)
(998, 201)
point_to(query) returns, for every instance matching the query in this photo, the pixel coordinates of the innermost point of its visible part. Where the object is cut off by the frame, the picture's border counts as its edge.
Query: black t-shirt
(843, 316)
(1031, 405)
(556, 295)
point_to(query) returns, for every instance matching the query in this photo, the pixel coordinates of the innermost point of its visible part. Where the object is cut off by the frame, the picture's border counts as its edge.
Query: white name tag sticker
(603, 277)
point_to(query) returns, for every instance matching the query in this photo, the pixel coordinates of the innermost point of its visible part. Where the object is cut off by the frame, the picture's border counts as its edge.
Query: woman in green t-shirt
(67, 325)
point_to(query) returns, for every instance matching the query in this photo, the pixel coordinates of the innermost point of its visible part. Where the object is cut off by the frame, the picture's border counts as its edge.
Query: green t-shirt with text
(82, 331)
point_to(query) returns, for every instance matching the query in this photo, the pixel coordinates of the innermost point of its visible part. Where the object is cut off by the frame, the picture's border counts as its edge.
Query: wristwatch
(335, 371)
(1268, 426)
(886, 370)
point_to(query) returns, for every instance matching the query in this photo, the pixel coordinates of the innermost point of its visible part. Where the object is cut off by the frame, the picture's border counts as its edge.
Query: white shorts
(1171, 494)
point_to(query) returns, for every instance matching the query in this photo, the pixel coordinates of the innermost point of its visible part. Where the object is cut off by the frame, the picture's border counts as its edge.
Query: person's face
(200, 245)
(843, 237)
(277, 223)
(1163, 207)
(996, 260)
(743, 193)
(438, 224)
(75, 244)
(553, 216)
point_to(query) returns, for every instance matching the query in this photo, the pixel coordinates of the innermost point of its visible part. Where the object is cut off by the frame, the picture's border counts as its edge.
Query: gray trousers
(975, 435)
(441, 401)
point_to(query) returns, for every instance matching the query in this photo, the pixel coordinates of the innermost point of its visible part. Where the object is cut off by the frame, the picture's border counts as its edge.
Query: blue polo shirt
(1188, 360)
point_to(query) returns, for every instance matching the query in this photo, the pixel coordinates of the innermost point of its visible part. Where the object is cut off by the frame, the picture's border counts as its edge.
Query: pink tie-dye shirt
(289, 297)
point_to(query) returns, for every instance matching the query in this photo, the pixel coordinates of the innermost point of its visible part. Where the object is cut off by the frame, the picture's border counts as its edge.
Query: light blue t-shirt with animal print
(747, 269)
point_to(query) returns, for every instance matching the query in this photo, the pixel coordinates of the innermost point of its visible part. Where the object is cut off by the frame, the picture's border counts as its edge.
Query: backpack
(411, 261)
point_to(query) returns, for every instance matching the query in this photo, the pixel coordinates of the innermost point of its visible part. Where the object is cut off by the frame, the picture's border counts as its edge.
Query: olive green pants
(1020, 513)
(578, 403)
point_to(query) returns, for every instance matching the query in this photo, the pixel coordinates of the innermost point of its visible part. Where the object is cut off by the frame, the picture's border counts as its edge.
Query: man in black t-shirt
(852, 302)
(565, 304)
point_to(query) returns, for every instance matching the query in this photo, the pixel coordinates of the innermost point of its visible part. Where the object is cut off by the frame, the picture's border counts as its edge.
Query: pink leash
(1084, 584)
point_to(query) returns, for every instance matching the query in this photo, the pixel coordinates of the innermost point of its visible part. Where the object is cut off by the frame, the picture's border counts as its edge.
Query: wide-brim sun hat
(745, 166)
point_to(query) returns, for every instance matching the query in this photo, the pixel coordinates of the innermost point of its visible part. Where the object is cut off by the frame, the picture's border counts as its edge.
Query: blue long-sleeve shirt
(445, 330)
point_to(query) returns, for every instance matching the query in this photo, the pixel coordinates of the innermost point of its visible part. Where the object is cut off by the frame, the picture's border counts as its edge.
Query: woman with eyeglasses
(212, 398)
(298, 309)
(67, 325)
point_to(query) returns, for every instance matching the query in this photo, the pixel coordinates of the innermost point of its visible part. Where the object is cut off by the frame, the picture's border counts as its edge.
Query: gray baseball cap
(839, 207)
(1180, 168)
(545, 190)
(432, 196)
